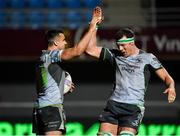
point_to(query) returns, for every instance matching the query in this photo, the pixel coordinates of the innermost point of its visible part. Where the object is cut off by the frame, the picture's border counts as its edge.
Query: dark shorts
(48, 119)
(122, 114)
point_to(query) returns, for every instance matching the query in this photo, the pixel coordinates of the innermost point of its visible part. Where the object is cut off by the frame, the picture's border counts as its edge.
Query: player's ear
(55, 43)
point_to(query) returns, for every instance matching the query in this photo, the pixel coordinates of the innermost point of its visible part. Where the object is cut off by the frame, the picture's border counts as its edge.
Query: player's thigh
(53, 133)
(108, 127)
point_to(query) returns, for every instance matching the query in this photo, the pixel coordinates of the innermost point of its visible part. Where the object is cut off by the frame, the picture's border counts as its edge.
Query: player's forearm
(82, 45)
(166, 78)
(79, 48)
(92, 48)
(169, 82)
(92, 43)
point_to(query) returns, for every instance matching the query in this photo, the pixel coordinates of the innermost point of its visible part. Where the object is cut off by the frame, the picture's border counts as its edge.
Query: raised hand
(96, 17)
(97, 12)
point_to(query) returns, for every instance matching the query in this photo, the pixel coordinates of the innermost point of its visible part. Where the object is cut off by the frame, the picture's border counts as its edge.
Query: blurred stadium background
(22, 25)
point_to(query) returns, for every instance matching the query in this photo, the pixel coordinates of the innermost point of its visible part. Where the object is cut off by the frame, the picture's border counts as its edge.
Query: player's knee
(126, 133)
(104, 134)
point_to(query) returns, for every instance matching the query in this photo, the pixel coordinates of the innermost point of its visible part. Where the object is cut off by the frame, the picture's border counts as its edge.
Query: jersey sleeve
(55, 55)
(52, 56)
(155, 63)
(106, 55)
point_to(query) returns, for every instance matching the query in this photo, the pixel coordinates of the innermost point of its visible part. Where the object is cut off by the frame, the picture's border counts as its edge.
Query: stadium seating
(36, 19)
(91, 3)
(2, 4)
(17, 19)
(2, 19)
(72, 3)
(36, 3)
(87, 16)
(74, 19)
(73, 16)
(54, 19)
(16, 3)
(50, 13)
(54, 3)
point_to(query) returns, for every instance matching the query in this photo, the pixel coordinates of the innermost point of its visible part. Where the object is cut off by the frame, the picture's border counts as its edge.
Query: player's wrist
(91, 28)
(96, 26)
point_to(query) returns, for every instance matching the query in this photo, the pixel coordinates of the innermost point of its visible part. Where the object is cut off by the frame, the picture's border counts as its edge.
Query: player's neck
(52, 48)
(135, 51)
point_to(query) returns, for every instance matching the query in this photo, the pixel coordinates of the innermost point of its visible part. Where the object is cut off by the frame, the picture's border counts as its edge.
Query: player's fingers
(95, 20)
(97, 11)
(100, 19)
(171, 98)
(72, 88)
(173, 93)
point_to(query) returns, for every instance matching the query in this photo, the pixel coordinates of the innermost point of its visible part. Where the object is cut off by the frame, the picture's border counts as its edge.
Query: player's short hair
(124, 32)
(50, 35)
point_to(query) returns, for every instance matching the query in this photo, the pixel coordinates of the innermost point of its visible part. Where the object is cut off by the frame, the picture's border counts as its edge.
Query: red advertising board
(27, 44)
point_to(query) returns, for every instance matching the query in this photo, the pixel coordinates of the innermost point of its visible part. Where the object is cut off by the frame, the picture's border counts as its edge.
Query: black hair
(124, 32)
(50, 35)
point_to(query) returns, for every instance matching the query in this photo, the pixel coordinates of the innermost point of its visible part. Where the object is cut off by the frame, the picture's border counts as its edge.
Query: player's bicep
(161, 73)
(68, 53)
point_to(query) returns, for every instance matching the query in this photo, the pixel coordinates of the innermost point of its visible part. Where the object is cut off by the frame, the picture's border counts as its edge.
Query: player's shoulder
(147, 56)
(145, 53)
(115, 52)
(50, 55)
